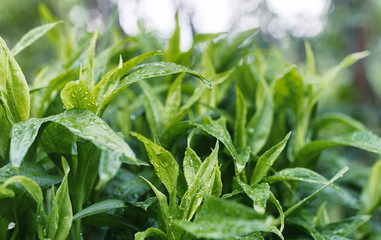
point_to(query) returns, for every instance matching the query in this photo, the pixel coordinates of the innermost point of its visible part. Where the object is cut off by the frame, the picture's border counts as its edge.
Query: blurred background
(334, 29)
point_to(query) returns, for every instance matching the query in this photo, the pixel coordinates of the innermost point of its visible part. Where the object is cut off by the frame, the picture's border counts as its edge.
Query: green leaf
(191, 165)
(14, 92)
(88, 75)
(304, 222)
(153, 108)
(329, 118)
(151, 232)
(80, 122)
(220, 218)
(61, 215)
(173, 100)
(345, 227)
(32, 36)
(308, 198)
(217, 128)
(259, 193)
(55, 84)
(31, 170)
(201, 187)
(288, 91)
(240, 120)
(150, 70)
(297, 174)
(259, 126)
(33, 189)
(164, 214)
(364, 140)
(280, 210)
(109, 165)
(166, 167)
(75, 94)
(371, 195)
(110, 81)
(100, 207)
(310, 59)
(267, 160)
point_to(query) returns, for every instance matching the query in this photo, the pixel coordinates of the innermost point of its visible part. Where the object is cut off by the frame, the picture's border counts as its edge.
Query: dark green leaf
(61, 215)
(100, 207)
(363, 140)
(223, 219)
(151, 232)
(345, 227)
(267, 160)
(31, 170)
(217, 128)
(308, 198)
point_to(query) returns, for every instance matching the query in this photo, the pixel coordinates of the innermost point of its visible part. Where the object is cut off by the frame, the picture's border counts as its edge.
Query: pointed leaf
(308, 198)
(363, 140)
(100, 207)
(61, 215)
(151, 70)
(80, 122)
(166, 167)
(217, 128)
(32, 36)
(240, 120)
(201, 186)
(267, 160)
(259, 126)
(223, 219)
(14, 92)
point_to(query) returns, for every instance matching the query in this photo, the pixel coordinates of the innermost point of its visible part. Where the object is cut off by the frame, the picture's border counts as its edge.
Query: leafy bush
(97, 147)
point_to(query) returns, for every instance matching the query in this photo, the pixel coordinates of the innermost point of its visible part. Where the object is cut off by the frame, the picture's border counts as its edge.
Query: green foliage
(235, 149)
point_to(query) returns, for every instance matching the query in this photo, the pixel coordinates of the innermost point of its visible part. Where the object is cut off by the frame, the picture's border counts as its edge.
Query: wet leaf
(80, 122)
(219, 218)
(267, 160)
(14, 91)
(32, 36)
(166, 167)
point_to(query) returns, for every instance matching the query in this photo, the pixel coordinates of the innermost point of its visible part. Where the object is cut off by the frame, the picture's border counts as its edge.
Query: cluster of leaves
(178, 154)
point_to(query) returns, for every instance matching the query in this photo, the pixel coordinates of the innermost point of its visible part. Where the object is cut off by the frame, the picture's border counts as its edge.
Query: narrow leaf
(32, 36)
(267, 160)
(201, 186)
(151, 70)
(61, 215)
(240, 120)
(100, 207)
(308, 198)
(166, 167)
(363, 140)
